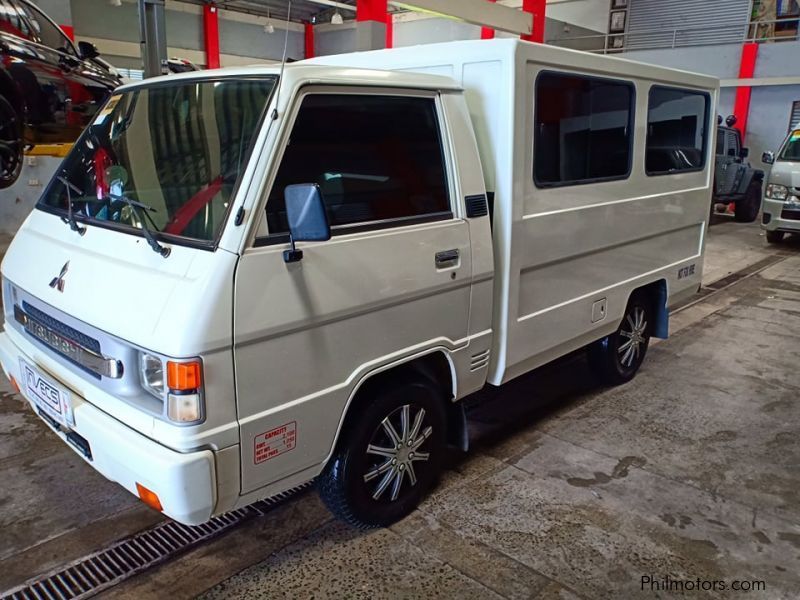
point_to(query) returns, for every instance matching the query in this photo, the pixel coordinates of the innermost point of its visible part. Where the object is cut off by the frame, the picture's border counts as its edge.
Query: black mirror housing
(88, 50)
(305, 212)
(744, 152)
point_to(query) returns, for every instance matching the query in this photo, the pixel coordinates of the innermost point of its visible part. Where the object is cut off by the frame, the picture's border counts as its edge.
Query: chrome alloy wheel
(633, 331)
(399, 449)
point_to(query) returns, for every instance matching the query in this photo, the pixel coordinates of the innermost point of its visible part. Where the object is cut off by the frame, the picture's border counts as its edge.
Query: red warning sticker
(275, 442)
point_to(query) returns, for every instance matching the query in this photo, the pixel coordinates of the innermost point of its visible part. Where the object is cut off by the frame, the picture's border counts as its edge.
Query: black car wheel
(11, 145)
(615, 359)
(388, 456)
(747, 208)
(775, 237)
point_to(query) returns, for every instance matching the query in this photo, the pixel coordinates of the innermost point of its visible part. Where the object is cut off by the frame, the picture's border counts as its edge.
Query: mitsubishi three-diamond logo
(58, 282)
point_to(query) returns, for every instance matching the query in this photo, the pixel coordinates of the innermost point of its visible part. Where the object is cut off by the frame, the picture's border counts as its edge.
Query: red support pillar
(309, 39)
(747, 68)
(487, 33)
(389, 30)
(537, 9)
(373, 25)
(69, 30)
(211, 35)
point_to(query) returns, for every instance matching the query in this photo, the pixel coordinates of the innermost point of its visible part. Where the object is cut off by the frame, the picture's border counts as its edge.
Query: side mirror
(768, 158)
(732, 152)
(88, 50)
(744, 152)
(305, 212)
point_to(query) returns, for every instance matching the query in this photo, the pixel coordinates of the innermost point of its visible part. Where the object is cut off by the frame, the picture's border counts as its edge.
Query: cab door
(393, 280)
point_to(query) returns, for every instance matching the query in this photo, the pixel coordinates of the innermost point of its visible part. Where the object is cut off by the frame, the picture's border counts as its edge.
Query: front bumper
(184, 482)
(774, 216)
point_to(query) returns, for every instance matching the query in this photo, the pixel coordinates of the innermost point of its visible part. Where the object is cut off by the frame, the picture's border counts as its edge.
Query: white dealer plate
(49, 397)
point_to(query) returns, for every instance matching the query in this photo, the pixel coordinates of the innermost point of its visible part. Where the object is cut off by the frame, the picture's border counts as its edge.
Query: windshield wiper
(139, 208)
(73, 223)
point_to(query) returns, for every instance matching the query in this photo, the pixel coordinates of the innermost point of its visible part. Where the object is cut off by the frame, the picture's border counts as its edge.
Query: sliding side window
(583, 129)
(676, 131)
(378, 161)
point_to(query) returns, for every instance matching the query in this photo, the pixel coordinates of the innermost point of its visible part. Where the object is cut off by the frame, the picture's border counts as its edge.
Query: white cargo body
(560, 251)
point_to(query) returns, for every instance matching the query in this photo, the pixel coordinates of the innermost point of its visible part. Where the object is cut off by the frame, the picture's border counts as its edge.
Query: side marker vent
(476, 206)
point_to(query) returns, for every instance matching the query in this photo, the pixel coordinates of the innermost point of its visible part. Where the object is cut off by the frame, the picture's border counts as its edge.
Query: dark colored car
(735, 180)
(49, 90)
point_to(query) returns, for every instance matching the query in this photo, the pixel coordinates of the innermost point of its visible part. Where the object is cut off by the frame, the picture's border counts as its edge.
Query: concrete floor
(570, 491)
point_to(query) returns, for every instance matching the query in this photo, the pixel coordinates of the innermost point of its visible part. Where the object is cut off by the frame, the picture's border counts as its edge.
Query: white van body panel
(559, 250)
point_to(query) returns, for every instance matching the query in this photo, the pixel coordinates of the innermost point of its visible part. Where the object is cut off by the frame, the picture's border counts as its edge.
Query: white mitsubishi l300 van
(243, 279)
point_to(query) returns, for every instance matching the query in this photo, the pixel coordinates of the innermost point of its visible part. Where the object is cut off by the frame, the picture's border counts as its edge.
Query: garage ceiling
(303, 11)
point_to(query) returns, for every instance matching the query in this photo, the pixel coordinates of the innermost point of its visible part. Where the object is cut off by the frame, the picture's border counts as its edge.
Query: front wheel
(389, 455)
(775, 237)
(747, 208)
(616, 358)
(11, 144)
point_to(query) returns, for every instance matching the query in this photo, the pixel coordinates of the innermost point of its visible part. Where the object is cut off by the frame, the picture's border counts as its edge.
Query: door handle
(447, 258)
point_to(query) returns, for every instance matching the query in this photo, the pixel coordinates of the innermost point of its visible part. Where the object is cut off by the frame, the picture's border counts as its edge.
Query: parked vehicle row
(781, 208)
(49, 89)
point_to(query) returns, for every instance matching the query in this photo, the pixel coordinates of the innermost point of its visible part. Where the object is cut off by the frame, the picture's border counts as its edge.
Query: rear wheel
(389, 456)
(748, 207)
(616, 358)
(11, 145)
(775, 237)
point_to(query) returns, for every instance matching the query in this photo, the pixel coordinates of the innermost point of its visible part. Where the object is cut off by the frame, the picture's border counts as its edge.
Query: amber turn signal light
(14, 384)
(148, 497)
(184, 376)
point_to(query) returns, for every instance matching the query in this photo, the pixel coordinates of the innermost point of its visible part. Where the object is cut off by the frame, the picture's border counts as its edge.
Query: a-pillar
(211, 35)
(371, 16)
(537, 9)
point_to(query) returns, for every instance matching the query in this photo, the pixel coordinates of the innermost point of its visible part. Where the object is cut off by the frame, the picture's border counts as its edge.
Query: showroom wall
(410, 30)
(770, 105)
(115, 30)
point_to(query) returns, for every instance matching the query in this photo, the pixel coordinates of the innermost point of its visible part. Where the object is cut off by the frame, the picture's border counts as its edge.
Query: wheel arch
(658, 293)
(434, 365)
(10, 91)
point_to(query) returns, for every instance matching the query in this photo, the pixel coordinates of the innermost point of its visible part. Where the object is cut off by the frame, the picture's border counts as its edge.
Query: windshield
(175, 149)
(791, 150)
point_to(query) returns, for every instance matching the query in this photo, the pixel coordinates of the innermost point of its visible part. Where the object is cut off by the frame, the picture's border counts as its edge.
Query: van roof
(304, 72)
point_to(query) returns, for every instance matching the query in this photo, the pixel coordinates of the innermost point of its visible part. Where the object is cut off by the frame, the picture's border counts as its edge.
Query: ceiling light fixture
(115, 2)
(337, 19)
(268, 27)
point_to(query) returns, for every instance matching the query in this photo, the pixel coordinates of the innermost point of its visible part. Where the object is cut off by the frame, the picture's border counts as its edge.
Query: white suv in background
(781, 207)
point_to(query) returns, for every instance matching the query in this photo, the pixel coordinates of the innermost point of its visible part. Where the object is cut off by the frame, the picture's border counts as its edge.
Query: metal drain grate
(101, 570)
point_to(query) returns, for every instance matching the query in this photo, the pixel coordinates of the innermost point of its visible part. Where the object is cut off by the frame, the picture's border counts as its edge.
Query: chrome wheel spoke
(627, 358)
(421, 456)
(373, 473)
(417, 424)
(625, 346)
(421, 440)
(398, 483)
(631, 322)
(380, 451)
(387, 479)
(390, 431)
(412, 476)
(405, 417)
(626, 334)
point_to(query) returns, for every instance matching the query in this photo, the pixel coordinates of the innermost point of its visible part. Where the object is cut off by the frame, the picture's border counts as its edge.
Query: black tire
(615, 359)
(747, 208)
(775, 237)
(343, 486)
(11, 144)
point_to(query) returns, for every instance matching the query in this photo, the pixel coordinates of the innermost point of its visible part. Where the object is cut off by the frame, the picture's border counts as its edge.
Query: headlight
(151, 369)
(777, 192)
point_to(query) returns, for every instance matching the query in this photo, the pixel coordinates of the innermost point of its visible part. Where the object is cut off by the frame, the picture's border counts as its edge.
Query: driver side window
(378, 160)
(48, 34)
